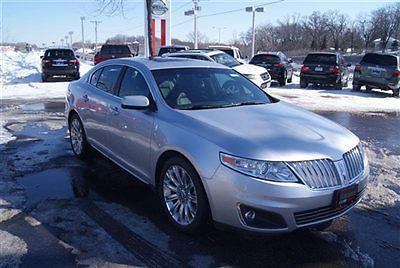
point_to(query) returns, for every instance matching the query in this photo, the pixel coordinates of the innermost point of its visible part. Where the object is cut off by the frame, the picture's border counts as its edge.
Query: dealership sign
(159, 8)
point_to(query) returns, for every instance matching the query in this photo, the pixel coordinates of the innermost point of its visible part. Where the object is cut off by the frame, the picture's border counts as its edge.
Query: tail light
(304, 69)
(357, 68)
(278, 65)
(73, 61)
(334, 69)
(396, 72)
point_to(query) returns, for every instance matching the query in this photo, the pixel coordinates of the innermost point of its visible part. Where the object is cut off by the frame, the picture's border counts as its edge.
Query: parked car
(214, 145)
(378, 71)
(324, 68)
(59, 62)
(256, 74)
(171, 49)
(231, 50)
(278, 65)
(111, 51)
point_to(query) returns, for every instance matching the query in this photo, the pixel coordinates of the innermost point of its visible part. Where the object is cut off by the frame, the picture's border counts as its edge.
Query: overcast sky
(48, 21)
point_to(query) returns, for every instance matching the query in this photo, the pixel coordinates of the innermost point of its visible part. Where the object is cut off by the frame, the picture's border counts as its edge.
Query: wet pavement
(88, 204)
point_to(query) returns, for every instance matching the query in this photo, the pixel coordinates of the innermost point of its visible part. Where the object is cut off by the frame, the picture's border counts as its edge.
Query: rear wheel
(282, 81)
(44, 77)
(368, 88)
(78, 140)
(303, 83)
(182, 195)
(396, 92)
(290, 79)
(356, 87)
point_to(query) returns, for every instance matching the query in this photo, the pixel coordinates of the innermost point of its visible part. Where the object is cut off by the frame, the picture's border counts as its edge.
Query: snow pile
(326, 99)
(5, 136)
(21, 78)
(12, 249)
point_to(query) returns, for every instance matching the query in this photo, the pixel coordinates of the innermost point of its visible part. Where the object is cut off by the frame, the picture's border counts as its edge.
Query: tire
(77, 76)
(282, 81)
(339, 86)
(303, 83)
(187, 206)
(290, 79)
(356, 88)
(44, 78)
(368, 88)
(396, 92)
(79, 144)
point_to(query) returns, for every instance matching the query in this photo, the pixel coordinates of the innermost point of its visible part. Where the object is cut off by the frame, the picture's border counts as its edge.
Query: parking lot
(58, 211)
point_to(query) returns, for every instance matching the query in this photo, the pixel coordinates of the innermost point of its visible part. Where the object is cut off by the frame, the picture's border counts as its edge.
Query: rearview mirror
(135, 102)
(41, 57)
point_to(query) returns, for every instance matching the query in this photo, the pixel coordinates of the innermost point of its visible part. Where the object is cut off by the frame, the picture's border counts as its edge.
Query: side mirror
(78, 57)
(98, 52)
(290, 60)
(135, 102)
(348, 65)
(41, 57)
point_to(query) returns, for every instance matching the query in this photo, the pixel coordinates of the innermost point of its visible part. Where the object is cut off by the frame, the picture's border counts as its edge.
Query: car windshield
(377, 59)
(115, 49)
(207, 88)
(265, 58)
(320, 58)
(225, 59)
(59, 53)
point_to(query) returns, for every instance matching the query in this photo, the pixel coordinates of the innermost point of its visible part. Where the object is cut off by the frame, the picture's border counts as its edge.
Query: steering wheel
(230, 87)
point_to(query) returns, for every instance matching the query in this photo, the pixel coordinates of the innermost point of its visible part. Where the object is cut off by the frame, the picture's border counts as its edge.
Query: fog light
(250, 215)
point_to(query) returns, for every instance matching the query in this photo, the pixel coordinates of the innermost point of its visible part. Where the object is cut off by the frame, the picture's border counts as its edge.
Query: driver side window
(133, 84)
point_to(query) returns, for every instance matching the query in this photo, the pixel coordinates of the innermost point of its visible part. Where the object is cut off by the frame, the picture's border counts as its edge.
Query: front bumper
(293, 203)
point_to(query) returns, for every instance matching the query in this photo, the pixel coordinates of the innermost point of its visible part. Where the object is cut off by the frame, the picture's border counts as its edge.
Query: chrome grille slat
(323, 173)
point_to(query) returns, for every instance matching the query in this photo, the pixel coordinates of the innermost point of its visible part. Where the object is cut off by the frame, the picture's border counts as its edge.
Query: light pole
(83, 38)
(196, 8)
(96, 22)
(66, 40)
(219, 33)
(70, 37)
(254, 10)
(62, 42)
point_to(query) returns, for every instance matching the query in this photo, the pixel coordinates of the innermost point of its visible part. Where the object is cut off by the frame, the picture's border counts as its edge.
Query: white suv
(258, 75)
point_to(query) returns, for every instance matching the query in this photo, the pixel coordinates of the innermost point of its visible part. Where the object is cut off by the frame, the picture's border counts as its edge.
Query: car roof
(59, 48)
(174, 46)
(208, 52)
(327, 53)
(157, 63)
(222, 47)
(276, 53)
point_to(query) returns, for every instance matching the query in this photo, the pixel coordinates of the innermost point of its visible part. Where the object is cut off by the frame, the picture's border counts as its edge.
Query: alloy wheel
(76, 136)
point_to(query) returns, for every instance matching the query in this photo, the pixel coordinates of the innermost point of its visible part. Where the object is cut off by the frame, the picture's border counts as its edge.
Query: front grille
(323, 213)
(317, 173)
(265, 76)
(324, 173)
(354, 161)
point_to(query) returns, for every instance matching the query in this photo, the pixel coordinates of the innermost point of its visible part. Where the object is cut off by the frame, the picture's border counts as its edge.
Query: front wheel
(282, 81)
(182, 195)
(79, 143)
(396, 92)
(303, 83)
(356, 87)
(290, 79)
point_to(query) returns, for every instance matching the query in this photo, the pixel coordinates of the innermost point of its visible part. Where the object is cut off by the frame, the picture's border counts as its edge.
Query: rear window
(115, 49)
(320, 58)
(228, 51)
(377, 59)
(59, 53)
(165, 50)
(265, 58)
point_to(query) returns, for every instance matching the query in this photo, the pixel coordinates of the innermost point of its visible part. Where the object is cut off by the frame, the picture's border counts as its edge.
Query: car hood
(276, 132)
(249, 69)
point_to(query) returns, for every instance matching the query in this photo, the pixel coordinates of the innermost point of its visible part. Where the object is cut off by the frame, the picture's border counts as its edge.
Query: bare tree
(315, 25)
(367, 29)
(336, 24)
(387, 23)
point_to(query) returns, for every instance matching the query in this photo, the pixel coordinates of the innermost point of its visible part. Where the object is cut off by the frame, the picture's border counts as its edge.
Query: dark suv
(324, 68)
(278, 65)
(378, 71)
(111, 51)
(59, 62)
(171, 49)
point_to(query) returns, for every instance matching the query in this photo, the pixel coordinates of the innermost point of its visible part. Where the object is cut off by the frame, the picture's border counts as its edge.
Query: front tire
(282, 81)
(79, 144)
(356, 88)
(44, 78)
(303, 83)
(182, 195)
(396, 92)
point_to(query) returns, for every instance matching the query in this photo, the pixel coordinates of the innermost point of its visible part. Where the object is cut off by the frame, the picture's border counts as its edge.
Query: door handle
(114, 110)
(85, 98)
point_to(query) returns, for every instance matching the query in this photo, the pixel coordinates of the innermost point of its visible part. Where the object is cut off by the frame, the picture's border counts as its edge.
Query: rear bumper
(329, 79)
(387, 85)
(66, 71)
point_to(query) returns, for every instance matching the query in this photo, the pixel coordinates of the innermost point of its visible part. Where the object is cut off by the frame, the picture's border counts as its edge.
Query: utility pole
(194, 11)
(62, 42)
(66, 40)
(253, 33)
(96, 22)
(219, 33)
(70, 37)
(83, 38)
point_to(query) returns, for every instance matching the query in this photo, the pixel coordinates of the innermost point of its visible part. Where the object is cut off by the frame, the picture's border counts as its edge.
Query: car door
(99, 97)
(130, 130)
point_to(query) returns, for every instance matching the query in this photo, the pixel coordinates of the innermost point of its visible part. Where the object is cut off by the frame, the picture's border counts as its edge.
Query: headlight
(251, 76)
(272, 171)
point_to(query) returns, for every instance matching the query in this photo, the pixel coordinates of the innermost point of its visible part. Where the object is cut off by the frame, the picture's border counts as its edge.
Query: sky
(48, 21)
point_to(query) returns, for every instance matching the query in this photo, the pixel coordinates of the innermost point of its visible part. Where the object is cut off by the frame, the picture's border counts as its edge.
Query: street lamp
(62, 42)
(70, 37)
(83, 38)
(66, 40)
(196, 8)
(219, 33)
(254, 10)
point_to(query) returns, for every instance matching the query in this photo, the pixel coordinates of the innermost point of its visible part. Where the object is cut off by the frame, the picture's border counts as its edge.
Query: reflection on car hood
(276, 132)
(249, 69)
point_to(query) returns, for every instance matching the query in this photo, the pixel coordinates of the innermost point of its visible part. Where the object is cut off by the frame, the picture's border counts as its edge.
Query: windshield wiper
(200, 107)
(247, 103)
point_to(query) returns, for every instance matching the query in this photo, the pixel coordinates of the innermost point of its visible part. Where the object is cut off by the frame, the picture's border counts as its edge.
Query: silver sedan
(215, 146)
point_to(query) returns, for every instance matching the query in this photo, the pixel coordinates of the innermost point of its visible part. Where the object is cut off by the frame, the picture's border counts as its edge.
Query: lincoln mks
(215, 146)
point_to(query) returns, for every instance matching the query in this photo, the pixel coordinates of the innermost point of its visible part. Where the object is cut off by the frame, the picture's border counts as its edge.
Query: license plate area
(345, 196)
(319, 69)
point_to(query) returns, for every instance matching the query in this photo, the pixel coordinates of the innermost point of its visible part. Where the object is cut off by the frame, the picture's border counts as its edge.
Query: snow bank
(336, 100)
(21, 78)
(12, 249)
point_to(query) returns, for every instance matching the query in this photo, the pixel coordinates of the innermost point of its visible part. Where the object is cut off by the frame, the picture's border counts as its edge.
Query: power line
(180, 7)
